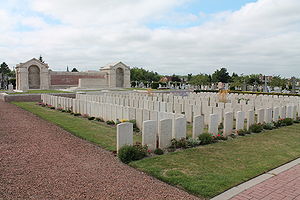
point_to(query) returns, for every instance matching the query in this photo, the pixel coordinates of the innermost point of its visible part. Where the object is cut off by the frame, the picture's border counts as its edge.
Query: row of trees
(6, 76)
(220, 75)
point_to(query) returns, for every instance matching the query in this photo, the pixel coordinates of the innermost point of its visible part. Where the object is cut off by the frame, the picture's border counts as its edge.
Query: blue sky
(167, 36)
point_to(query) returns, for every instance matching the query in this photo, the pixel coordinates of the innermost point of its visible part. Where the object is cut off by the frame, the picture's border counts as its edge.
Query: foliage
(256, 128)
(129, 153)
(99, 119)
(154, 85)
(288, 121)
(219, 137)
(110, 122)
(175, 78)
(158, 151)
(206, 138)
(278, 81)
(135, 128)
(91, 118)
(193, 142)
(268, 126)
(4, 69)
(181, 143)
(243, 132)
(77, 114)
(200, 79)
(140, 74)
(220, 76)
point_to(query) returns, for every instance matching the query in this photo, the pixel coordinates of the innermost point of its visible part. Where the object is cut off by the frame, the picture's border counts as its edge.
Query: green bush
(181, 143)
(158, 151)
(206, 138)
(77, 114)
(91, 118)
(288, 121)
(131, 153)
(192, 142)
(99, 119)
(268, 126)
(155, 85)
(256, 128)
(243, 132)
(110, 122)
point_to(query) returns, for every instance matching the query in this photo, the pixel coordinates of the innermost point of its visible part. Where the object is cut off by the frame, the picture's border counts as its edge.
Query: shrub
(256, 128)
(205, 138)
(243, 132)
(131, 153)
(110, 122)
(268, 126)
(91, 118)
(181, 143)
(278, 124)
(288, 121)
(158, 151)
(154, 85)
(219, 137)
(192, 142)
(99, 119)
(77, 114)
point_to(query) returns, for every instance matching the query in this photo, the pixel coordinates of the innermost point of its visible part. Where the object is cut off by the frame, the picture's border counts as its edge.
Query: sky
(167, 36)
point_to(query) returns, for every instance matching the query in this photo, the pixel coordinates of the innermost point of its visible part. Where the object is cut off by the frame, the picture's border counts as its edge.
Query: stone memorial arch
(32, 74)
(35, 74)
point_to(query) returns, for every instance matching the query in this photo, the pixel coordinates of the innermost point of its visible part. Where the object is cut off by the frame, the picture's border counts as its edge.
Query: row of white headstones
(170, 125)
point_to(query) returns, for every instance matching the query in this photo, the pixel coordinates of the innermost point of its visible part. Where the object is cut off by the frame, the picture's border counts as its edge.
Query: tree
(4, 69)
(74, 70)
(200, 79)
(254, 78)
(277, 81)
(140, 74)
(221, 76)
(189, 77)
(175, 78)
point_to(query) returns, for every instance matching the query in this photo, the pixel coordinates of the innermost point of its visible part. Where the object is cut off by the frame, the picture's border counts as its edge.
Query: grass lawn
(96, 132)
(205, 171)
(40, 92)
(209, 170)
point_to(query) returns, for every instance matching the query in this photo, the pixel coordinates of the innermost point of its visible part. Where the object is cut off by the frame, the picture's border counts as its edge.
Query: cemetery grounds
(205, 171)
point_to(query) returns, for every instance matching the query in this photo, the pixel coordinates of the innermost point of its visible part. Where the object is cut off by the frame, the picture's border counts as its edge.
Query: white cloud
(261, 37)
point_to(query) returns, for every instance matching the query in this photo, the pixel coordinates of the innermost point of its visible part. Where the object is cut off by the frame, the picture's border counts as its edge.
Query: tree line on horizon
(219, 75)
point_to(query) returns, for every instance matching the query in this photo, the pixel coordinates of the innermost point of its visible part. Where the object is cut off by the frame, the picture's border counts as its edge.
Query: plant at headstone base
(243, 132)
(99, 119)
(268, 126)
(124, 120)
(256, 128)
(191, 142)
(91, 118)
(110, 122)
(135, 128)
(219, 137)
(297, 120)
(129, 153)
(77, 114)
(181, 143)
(288, 121)
(206, 138)
(85, 115)
(220, 126)
(278, 123)
(158, 151)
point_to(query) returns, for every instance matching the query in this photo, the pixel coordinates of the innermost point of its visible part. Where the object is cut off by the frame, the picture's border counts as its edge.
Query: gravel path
(39, 160)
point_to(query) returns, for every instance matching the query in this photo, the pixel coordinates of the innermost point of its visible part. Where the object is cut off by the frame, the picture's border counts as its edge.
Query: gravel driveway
(39, 160)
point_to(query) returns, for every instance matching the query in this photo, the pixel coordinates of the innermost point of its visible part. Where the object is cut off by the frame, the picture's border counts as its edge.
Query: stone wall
(29, 97)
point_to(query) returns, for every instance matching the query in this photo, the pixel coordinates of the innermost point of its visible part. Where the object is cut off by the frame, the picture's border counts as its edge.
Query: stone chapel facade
(35, 74)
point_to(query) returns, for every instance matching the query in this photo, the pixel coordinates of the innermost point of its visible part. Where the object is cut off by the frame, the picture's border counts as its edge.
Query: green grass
(209, 170)
(96, 132)
(40, 92)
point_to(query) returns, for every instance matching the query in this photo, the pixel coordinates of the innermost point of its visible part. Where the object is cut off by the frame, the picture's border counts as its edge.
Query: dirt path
(39, 160)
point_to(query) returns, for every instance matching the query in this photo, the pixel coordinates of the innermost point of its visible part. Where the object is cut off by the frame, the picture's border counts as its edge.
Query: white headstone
(164, 133)
(213, 124)
(124, 134)
(149, 134)
(179, 128)
(250, 118)
(228, 123)
(198, 125)
(240, 120)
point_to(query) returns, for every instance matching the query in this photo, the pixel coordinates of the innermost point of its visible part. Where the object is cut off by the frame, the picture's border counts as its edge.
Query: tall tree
(140, 74)
(221, 76)
(4, 69)
(200, 79)
(74, 70)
